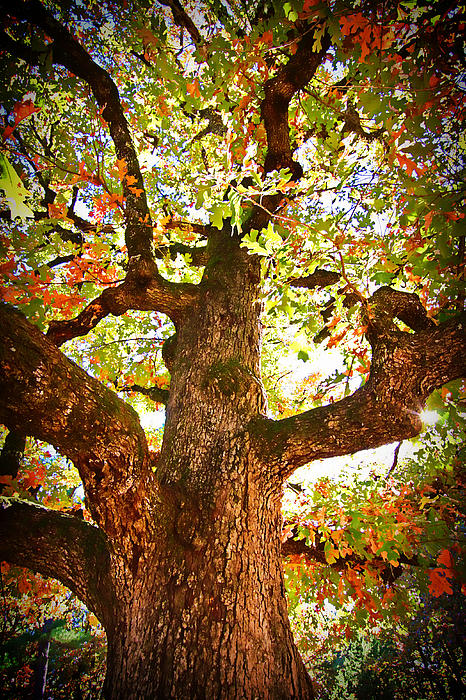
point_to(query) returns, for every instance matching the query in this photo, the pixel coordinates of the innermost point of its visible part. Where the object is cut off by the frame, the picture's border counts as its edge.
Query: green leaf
(15, 192)
(219, 212)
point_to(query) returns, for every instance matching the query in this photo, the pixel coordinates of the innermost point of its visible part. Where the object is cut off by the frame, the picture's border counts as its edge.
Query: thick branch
(161, 295)
(188, 227)
(198, 254)
(12, 453)
(387, 303)
(144, 288)
(44, 394)
(57, 545)
(182, 19)
(279, 90)
(352, 124)
(405, 369)
(67, 51)
(318, 279)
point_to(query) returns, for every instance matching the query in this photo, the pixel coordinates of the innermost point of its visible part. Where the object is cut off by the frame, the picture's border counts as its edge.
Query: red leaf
(267, 37)
(409, 164)
(444, 559)
(21, 110)
(439, 582)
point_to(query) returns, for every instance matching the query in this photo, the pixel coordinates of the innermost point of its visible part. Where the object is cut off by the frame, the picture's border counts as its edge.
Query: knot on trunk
(187, 527)
(230, 377)
(169, 350)
(386, 304)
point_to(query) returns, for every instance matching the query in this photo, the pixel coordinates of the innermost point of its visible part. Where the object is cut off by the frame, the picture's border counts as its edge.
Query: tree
(180, 169)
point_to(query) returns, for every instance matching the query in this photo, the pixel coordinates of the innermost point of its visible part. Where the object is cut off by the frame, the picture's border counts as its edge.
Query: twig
(395, 460)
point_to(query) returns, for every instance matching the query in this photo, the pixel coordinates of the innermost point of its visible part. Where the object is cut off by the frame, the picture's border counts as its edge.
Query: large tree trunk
(206, 618)
(204, 614)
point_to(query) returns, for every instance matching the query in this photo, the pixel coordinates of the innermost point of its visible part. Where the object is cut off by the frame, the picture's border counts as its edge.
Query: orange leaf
(136, 191)
(439, 583)
(122, 168)
(409, 164)
(352, 23)
(267, 38)
(7, 267)
(286, 532)
(21, 110)
(193, 89)
(333, 322)
(428, 219)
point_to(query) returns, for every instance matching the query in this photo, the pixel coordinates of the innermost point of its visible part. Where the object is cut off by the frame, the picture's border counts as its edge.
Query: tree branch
(316, 553)
(12, 453)
(279, 90)
(67, 51)
(199, 256)
(155, 393)
(387, 303)
(201, 229)
(144, 288)
(405, 369)
(171, 298)
(46, 395)
(318, 279)
(182, 19)
(57, 545)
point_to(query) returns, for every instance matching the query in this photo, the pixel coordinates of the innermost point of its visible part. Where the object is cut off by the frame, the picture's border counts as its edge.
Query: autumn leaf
(287, 532)
(428, 219)
(439, 583)
(136, 191)
(445, 559)
(410, 165)
(267, 38)
(21, 110)
(193, 89)
(122, 168)
(92, 620)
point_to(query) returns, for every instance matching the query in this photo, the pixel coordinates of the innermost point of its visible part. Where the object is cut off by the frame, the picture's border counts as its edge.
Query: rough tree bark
(183, 565)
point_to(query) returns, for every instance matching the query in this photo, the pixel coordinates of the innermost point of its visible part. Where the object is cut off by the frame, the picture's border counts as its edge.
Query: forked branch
(67, 51)
(279, 90)
(405, 369)
(159, 294)
(144, 288)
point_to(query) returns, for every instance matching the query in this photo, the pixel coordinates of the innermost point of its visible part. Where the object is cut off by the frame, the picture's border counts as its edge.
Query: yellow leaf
(92, 620)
